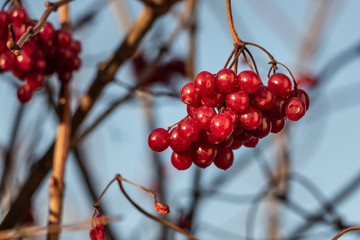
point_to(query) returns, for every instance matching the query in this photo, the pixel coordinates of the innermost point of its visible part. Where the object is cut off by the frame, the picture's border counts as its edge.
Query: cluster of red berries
(50, 51)
(226, 111)
(98, 232)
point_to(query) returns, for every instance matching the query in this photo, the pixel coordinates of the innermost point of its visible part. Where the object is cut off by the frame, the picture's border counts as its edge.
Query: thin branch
(337, 236)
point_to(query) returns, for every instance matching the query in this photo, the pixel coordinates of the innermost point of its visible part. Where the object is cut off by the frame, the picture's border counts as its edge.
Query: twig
(61, 147)
(337, 236)
(32, 31)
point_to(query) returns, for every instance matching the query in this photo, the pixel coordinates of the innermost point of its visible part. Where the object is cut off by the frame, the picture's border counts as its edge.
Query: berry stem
(234, 35)
(261, 48)
(292, 76)
(337, 236)
(252, 60)
(171, 126)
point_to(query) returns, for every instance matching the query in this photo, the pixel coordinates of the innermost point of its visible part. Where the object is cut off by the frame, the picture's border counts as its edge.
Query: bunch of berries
(226, 111)
(50, 51)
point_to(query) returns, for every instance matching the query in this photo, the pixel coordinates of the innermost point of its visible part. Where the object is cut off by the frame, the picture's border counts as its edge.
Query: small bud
(162, 208)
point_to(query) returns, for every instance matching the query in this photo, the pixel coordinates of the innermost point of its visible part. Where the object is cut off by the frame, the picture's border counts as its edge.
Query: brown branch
(337, 236)
(105, 75)
(32, 31)
(234, 35)
(61, 149)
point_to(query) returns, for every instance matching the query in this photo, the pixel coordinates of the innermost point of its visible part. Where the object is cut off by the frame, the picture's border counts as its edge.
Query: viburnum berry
(189, 96)
(158, 140)
(224, 158)
(252, 142)
(244, 136)
(204, 83)
(264, 129)
(294, 108)
(162, 208)
(249, 81)
(221, 125)
(204, 153)
(225, 80)
(182, 160)
(18, 15)
(250, 118)
(97, 234)
(277, 125)
(191, 111)
(237, 100)
(209, 137)
(236, 144)
(300, 93)
(263, 98)
(35, 79)
(178, 143)
(234, 116)
(280, 84)
(278, 109)
(187, 128)
(203, 117)
(213, 100)
(47, 32)
(24, 93)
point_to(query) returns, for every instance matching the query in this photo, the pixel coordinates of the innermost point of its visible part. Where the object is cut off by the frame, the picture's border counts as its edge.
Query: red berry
(236, 144)
(227, 142)
(252, 142)
(100, 222)
(250, 118)
(278, 109)
(280, 84)
(24, 93)
(213, 100)
(7, 60)
(162, 208)
(65, 76)
(234, 116)
(244, 136)
(191, 111)
(237, 100)
(35, 79)
(209, 137)
(63, 39)
(263, 98)
(264, 129)
(178, 143)
(74, 63)
(18, 15)
(97, 234)
(187, 129)
(183, 160)
(221, 125)
(189, 96)
(4, 22)
(200, 164)
(294, 109)
(75, 47)
(204, 153)
(204, 83)
(203, 117)
(277, 125)
(302, 95)
(225, 80)
(158, 140)
(40, 61)
(224, 158)
(249, 81)
(25, 61)
(47, 32)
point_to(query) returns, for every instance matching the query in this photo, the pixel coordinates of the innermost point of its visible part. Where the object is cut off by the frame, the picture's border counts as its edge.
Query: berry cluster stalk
(61, 148)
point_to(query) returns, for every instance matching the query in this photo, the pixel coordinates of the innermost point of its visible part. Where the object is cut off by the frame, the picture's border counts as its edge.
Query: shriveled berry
(280, 84)
(221, 125)
(250, 118)
(248, 81)
(204, 83)
(162, 208)
(294, 109)
(97, 234)
(158, 140)
(225, 80)
(224, 158)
